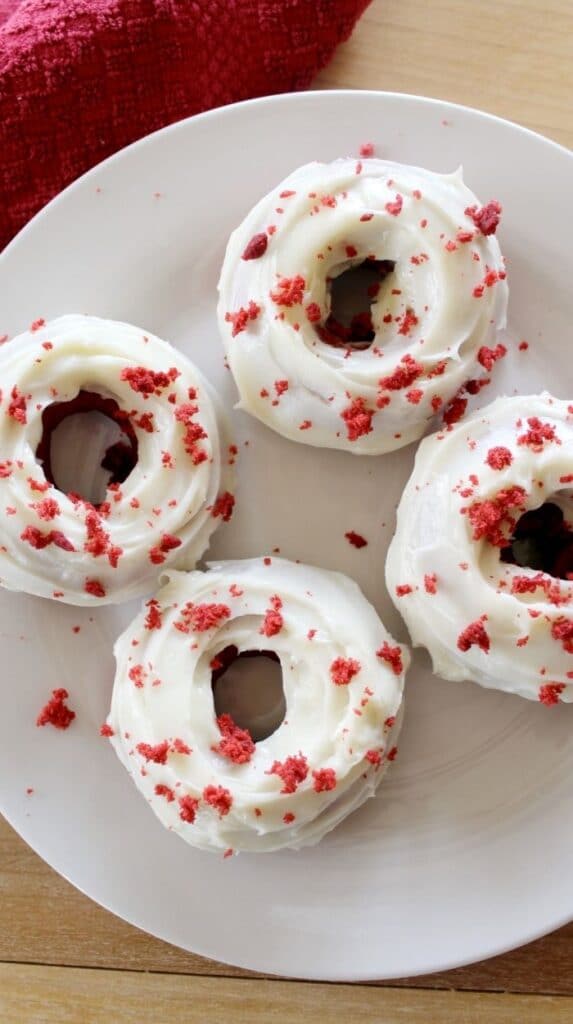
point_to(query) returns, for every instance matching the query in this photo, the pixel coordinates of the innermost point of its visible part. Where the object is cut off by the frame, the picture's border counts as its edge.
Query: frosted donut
(203, 776)
(479, 576)
(57, 545)
(431, 320)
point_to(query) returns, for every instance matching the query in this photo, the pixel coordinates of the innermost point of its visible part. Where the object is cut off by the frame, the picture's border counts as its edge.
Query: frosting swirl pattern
(432, 318)
(459, 565)
(342, 677)
(57, 545)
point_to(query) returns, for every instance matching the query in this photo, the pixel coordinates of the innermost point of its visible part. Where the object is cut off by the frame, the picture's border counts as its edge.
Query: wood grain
(55, 995)
(67, 960)
(512, 58)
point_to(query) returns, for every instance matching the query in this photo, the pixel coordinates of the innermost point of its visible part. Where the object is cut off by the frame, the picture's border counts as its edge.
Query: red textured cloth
(79, 79)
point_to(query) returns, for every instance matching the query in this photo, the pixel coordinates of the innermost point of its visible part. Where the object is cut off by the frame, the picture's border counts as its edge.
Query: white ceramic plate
(466, 850)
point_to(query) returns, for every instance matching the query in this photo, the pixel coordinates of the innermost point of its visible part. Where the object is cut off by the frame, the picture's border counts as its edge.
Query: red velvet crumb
(392, 656)
(55, 712)
(223, 507)
(188, 809)
(273, 621)
(430, 582)
(157, 754)
(343, 670)
(148, 382)
(165, 791)
(219, 798)
(358, 419)
(201, 617)
(499, 457)
(356, 539)
(474, 635)
(537, 434)
(167, 543)
(241, 318)
(324, 779)
(236, 744)
(395, 207)
(106, 730)
(486, 218)
(256, 248)
(293, 770)
(289, 291)
(549, 693)
(153, 617)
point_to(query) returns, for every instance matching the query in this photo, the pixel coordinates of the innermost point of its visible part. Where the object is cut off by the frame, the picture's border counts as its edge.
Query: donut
(174, 448)
(481, 563)
(202, 774)
(437, 296)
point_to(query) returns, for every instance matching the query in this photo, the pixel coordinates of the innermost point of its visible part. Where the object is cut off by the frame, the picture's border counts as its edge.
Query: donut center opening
(248, 686)
(542, 540)
(352, 293)
(87, 444)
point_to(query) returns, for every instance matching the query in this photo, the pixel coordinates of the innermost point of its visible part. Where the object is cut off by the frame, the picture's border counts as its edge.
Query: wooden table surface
(64, 959)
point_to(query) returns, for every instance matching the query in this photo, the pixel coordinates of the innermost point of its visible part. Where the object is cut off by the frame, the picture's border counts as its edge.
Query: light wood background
(64, 960)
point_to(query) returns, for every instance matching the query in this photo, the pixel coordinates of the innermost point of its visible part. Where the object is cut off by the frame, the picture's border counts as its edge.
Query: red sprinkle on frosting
(550, 693)
(219, 798)
(223, 507)
(256, 248)
(392, 656)
(343, 670)
(324, 779)
(474, 635)
(499, 457)
(289, 291)
(358, 419)
(201, 617)
(148, 382)
(236, 744)
(486, 218)
(157, 754)
(273, 621)
(188, 809)
(293, 771)
(241, 318)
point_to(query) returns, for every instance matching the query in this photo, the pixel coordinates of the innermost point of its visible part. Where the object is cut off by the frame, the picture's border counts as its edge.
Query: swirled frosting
(506, 626)
(342, 677)
(432, 316)
(56, 545)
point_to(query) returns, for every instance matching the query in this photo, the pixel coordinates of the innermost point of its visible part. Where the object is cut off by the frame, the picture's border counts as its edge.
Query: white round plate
(466, 850)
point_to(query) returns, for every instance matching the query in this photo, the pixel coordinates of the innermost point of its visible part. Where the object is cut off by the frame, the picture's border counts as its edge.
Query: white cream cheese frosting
(503, 625)
(432, 316)
(342, 677)
(163, 514)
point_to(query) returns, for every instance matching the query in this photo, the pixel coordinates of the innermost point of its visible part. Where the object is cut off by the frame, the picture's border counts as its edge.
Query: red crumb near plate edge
(56, 712)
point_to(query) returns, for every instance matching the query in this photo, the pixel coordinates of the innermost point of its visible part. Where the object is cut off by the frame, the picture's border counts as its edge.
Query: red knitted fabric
(79, 79)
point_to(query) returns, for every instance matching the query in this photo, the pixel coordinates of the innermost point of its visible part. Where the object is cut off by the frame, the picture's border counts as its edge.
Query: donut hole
(248, 686)
(542, 540)
(87, 444)
(352, 294)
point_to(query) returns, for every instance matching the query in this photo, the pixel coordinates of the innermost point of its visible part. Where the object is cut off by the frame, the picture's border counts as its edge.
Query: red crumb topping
(305, 425)
(5, 469)
(235, 590)
(491, 518)
(404, 375)
(36, 539)
(162, 790)
(499, 457)
(95, 588)
(549, 693)
(356, 539)
(157, 754)
(523, 346)
(358, 419)
(55, 712)
(486, 218)
(281, 386)
(367, 149)
(288, 818)
(293, 770)
(188, 808)
(194, 432)
(289, 291)
(167, 543)
(407, 321)
(256, 248)
(47, 509)
(219, 798)
(148, 382)
(488, 356)
(236, 744)
(178, 746)
(374, 757)
(415, 396)
(324, 779)
(17, 407)
(343, 670)
(106, 730)
(562, 629)
(395, 207)
(430, 582)
(474, 635)
(313, 313)
(137, 675)
(490, 278)
(454, 411)
(537, 434)
(273, 621)
(35, 326)
(223, 507)
(201, 617)
(153, 617)
(392, 656)
(241, 318)
(391, 755)
(403, 589)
